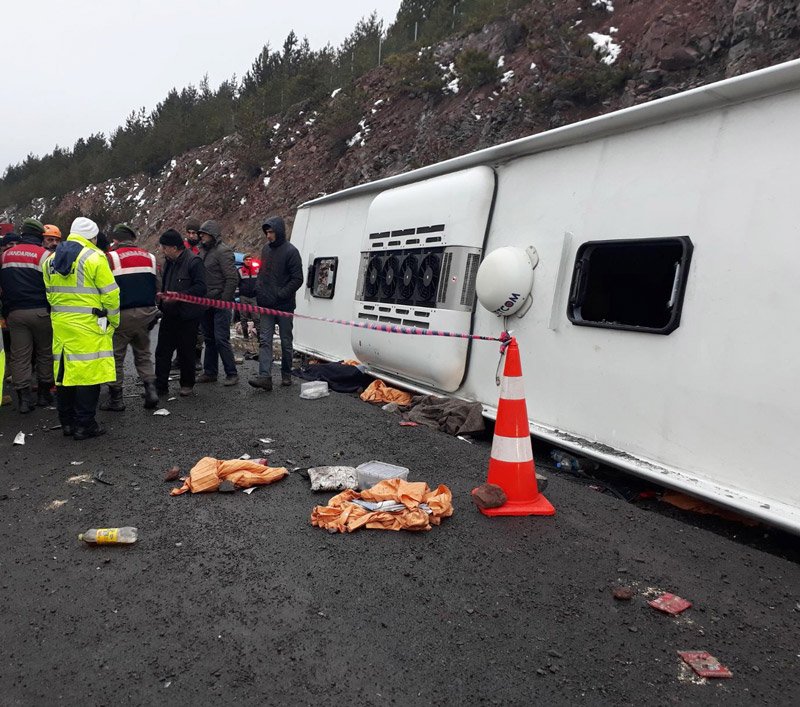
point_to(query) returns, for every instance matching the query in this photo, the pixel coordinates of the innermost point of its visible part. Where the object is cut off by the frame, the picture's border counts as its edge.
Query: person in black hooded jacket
(280, 277)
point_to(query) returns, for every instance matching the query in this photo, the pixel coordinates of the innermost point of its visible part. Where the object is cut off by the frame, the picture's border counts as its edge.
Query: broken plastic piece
(705, 664)
(670, 604)
(314, 389)
(20, 438)
(408, 423)
(161, 411)
(250, 490)
(99, 477)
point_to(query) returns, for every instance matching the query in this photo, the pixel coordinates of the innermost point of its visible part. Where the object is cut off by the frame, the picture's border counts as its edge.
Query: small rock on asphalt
(488, 496)
(623, 593)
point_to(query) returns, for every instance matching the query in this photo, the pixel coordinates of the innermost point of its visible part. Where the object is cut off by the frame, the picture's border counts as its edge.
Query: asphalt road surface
(237, 599)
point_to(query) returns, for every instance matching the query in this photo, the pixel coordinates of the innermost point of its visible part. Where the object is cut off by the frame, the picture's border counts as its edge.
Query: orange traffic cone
(511, 464)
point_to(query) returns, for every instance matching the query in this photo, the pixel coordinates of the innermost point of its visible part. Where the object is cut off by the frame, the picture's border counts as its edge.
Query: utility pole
(380, 46)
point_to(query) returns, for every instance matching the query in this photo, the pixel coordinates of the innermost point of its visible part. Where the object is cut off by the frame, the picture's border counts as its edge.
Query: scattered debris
(333, 478)
(54, 505)
(670, 604)
(379, 392)
(110, 536)
(408, 423)
(209, 473)
(265, 440)
(245, 456)
(169, 400)
(695, 505)
(623, 593)
(250, 490)
(99, 477)
(489, 496)
(464, 439)
(371, 472)
(172, 474)
(56, 427)
(76, 463)
(313, 390)
(20, 438)
(161, 411)
(418, 508)
(705, 664)
(80, 479)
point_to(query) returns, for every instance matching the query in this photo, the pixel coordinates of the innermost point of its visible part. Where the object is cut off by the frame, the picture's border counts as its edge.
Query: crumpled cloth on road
(420, 508)
(456, 417)
(379, 392)
(340, 377)
(209, 473)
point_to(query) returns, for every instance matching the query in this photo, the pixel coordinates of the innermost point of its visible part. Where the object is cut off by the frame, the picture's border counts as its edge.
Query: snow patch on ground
(335, 92)
(606, 46)
(607, 4)
(506, 78)
(266, 181)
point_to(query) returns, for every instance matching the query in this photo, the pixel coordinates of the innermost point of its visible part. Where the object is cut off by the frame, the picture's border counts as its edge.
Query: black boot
(150, 395)
(67, 429)
(44, 398)
(114, 401)
(93, 430)
(25, 400)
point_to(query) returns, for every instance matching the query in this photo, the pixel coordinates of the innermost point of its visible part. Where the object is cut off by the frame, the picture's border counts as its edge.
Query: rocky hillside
(551, 63)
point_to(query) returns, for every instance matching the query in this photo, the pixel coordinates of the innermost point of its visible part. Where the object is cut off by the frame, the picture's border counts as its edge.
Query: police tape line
(504, 338)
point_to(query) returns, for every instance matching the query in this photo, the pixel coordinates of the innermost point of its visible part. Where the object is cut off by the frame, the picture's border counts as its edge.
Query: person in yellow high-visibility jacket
(84, 310)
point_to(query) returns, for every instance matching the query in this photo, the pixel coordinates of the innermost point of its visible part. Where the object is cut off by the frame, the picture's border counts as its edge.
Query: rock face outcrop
(552, 63)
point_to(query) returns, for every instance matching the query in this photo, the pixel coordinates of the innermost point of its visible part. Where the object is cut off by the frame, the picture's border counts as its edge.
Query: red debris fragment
(705, 664)
(408, 423)
(488, 496)
(670, 604)
(623, 593)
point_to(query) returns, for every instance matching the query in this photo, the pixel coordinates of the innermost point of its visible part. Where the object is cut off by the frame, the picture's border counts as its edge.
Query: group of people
(73, 308)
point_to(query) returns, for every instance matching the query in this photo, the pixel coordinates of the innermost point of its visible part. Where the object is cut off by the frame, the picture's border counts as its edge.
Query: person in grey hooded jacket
(221, 281)
(280, 277)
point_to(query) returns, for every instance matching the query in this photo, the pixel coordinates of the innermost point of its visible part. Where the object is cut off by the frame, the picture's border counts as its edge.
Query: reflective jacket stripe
(83, 290)
(85, 356)
(32, 266)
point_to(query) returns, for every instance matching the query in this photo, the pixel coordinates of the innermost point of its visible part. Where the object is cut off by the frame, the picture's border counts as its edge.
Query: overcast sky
(71, 68)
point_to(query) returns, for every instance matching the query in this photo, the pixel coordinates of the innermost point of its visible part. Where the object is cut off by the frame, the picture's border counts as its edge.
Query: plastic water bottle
(576, 465)
(109, 536)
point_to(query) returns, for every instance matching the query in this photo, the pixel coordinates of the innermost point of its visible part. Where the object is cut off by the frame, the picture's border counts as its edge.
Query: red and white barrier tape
(504, 338)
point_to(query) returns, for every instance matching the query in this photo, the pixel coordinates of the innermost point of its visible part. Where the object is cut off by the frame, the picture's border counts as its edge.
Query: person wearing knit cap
(84, 309)
(193, 236)
(25, 301)
(222, 279)
(192, 242)
(183, 272)
(136, 273)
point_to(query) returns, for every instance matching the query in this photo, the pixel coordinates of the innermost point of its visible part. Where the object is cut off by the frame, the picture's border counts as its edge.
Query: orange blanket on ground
(209, 473)
(379, 392)
(344, 516)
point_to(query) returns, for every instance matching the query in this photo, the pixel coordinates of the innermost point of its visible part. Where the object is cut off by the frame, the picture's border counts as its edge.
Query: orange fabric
(351, 362)
(379, 392)
(209, 473)
(689, 503)
(340, 515)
